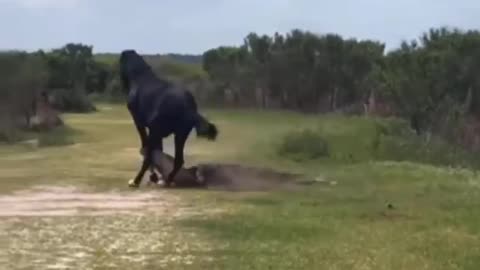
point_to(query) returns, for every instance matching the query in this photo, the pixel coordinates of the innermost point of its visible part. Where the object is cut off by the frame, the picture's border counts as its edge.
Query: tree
(24, 76)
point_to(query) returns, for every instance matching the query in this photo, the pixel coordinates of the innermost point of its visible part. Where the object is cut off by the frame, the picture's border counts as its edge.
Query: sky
(193, 26)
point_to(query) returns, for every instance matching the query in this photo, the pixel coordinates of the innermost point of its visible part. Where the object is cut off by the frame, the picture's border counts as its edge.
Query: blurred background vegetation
(430, 84)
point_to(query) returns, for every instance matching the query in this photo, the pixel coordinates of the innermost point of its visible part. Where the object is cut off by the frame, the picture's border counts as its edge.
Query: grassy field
(369, 210)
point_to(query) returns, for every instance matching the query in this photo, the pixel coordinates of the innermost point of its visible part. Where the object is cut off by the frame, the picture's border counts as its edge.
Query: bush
(365, 139)
(114, 90)
(59, 136)
(414, 148)
(10, 134)
(71, 100)
(303, 145)
(396, 141)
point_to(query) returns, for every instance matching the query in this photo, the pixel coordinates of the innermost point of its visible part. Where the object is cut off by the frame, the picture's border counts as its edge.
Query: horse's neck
(160, 85)
(150, 78)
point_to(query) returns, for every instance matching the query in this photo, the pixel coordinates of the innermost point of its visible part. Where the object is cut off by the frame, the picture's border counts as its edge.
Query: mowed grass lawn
(364, 213)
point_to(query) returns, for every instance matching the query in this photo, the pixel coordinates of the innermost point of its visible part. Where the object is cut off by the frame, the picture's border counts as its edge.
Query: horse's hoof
(154, 178)
(132, 184)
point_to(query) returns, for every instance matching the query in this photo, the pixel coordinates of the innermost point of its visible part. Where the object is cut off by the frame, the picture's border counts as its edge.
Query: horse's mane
(132, 64)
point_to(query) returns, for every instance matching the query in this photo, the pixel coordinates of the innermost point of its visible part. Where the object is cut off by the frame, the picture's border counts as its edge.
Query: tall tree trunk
(468, 101)
(372, 106)
(263, 98)
(333, 99)
(284, 97)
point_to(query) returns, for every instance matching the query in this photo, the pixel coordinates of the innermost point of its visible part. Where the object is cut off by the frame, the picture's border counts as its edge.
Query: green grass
(343, 222)
(433, 224)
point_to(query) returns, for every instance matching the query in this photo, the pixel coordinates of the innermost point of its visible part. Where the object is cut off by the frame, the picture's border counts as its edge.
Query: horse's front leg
(146, 164)
(139, 126)
(180, 140)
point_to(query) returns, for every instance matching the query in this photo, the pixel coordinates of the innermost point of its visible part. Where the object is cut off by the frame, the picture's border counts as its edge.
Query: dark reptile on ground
(227, 176)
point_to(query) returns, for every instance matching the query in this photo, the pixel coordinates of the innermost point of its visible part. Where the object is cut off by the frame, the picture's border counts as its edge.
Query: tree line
(433, 80)
(69, 78)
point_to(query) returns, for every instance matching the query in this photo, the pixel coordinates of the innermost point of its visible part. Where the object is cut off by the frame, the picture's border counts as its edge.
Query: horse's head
(131, 65)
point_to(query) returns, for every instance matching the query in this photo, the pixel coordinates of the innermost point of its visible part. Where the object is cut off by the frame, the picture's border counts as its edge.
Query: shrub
(303, 145)
(59, 136)
(396, 141)
(114, 91)
(10, 134)
(71, 100)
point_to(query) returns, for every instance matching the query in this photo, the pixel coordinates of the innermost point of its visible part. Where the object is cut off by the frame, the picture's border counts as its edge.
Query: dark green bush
(10, 134)
(395, 141)
(303, 145)
(114, 90)
(59, 136)
(71, 100)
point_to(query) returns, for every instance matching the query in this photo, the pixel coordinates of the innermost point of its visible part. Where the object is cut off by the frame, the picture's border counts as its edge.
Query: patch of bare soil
(230, 177)
(66, 228)
(66, 201)
(241, 178)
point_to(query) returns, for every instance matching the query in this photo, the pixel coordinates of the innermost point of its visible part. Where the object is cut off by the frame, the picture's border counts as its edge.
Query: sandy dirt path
(50, 227)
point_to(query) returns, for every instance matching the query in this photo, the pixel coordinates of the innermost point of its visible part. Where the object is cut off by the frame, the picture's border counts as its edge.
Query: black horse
(161, 109)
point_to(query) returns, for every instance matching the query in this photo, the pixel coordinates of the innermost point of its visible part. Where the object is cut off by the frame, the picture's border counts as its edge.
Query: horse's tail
(205, 129)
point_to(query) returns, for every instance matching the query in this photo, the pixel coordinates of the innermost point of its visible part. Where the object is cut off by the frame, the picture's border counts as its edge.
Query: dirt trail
(68, 201)
(65, 228)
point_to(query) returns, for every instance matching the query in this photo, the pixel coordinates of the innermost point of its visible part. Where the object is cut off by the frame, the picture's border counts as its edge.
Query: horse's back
(173, 110)
(162, 105)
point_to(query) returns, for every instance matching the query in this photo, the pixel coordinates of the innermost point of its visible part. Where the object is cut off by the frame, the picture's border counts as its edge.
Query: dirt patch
(235, 177)
(65, 228)
(67, 201)
(230, 177)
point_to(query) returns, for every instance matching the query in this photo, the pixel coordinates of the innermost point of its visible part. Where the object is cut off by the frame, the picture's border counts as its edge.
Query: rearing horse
(161, 109)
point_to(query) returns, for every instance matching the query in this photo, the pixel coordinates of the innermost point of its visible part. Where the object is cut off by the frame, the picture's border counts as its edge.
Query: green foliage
(71, 76)
(112, 58)
(398, 143)
(114, 90)
(171, 68)
(303, 145)
(59, 136)
(73, 70)
(298, 70)
(23, 76)
(69, 66)
(305, 71)
(337, 139)
(98, 77)
(10, 134)
(431, 81)
(71, 100)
